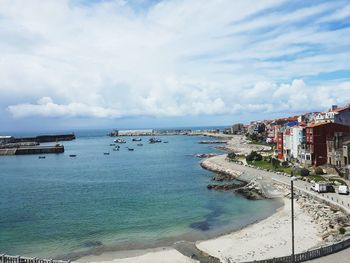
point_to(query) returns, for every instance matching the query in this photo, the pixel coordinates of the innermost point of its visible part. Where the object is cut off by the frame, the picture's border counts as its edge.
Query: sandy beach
(266, 239)
(160, 255)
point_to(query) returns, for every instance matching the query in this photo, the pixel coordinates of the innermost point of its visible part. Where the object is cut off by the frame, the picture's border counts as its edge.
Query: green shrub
(254, 156)
(285, 164)
(275, 162)
(232, 156)
(318, 171)
(342, 230)
(304, 172)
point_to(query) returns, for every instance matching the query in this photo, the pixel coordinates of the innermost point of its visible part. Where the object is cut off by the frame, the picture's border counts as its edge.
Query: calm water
(154, 195)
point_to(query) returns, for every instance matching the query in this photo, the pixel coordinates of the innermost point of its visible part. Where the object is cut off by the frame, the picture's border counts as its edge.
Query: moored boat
(154, 140)
(119, 140)
(136, 139)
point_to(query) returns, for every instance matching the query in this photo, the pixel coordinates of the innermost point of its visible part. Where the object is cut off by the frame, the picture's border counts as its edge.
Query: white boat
(119, 140)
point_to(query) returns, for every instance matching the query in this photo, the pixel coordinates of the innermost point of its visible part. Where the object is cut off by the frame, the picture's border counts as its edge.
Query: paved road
(267, 178)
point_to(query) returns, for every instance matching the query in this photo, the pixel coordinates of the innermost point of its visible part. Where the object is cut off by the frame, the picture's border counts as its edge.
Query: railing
(18, 259)
(308, 255)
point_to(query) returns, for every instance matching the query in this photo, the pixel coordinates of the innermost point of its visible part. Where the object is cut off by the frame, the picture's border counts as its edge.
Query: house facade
(338, 148)
(280, 145)
(314, 150)
(342, 115)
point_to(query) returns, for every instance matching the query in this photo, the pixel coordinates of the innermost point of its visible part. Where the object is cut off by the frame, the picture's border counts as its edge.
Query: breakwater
(45, 138)
(151, 132)
(32, 150)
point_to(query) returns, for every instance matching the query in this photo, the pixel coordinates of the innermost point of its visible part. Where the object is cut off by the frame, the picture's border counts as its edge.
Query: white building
(325, 117)
(297, 139)
(287, 145)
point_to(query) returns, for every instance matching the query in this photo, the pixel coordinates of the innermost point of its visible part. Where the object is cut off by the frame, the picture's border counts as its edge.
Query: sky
(81, 64)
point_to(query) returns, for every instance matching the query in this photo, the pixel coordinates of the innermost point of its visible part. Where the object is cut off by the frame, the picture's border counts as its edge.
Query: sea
(105, 200)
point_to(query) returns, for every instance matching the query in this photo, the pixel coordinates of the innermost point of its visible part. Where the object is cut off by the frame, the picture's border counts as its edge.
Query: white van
(343, 190)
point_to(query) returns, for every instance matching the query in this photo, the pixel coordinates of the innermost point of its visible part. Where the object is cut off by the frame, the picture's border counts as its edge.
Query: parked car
(343, 190)
(320, 187)
(330, 189)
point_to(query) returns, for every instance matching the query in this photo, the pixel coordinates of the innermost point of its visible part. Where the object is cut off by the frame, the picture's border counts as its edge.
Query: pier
(151, 132)
(46, 138)
(32, 150)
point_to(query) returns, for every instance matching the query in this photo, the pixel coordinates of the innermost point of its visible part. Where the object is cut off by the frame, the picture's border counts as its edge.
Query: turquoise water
(152, 196)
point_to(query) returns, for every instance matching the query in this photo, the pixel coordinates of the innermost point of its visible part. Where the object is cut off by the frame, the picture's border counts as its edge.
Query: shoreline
(158, 253)
(221, 247)
(142, 255)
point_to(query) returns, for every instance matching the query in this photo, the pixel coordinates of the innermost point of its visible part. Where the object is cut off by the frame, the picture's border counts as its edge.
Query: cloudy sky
(69, 64)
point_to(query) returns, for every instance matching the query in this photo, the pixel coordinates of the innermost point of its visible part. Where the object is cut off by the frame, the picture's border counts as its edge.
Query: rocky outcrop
(206, 164)
(213, 142)
(205, 155)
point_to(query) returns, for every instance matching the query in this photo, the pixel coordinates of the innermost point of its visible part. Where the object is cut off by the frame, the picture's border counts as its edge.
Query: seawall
(46, 138)
(32, 150)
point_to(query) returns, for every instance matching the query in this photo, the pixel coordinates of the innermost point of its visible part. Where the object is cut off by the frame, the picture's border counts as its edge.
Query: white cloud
(47, 108)
(177, 58)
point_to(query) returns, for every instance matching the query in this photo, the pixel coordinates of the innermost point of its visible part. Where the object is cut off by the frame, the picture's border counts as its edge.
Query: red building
(280, 145)
(316, 139)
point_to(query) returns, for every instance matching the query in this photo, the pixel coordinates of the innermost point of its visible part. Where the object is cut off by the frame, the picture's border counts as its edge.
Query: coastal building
(256, 127)
(325, 117)
(297, 138)
(342, 115)
(338, 149)
(287, 145)
(237, 128)
(314, 150)
(280, 145)
(335, 114)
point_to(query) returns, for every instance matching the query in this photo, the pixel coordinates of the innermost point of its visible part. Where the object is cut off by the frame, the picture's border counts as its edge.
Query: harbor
(10, 145)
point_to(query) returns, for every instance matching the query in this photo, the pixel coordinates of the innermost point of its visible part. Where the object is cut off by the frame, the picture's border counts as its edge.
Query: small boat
(136, 139)
(130, 149)
(154, 140)
(72, 155)
(106, 153)
(115, 149)
(119, 140)
(112, 144)
(42, 157)
(165, 142)
(139, 144)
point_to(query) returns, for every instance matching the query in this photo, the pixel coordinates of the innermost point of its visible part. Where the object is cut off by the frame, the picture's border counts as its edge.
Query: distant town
(311, 139)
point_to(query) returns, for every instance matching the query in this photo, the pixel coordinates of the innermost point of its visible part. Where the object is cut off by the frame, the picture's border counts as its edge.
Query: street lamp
(292, 179)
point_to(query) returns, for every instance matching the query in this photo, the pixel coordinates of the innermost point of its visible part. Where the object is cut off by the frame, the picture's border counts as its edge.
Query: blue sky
(78, 64)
